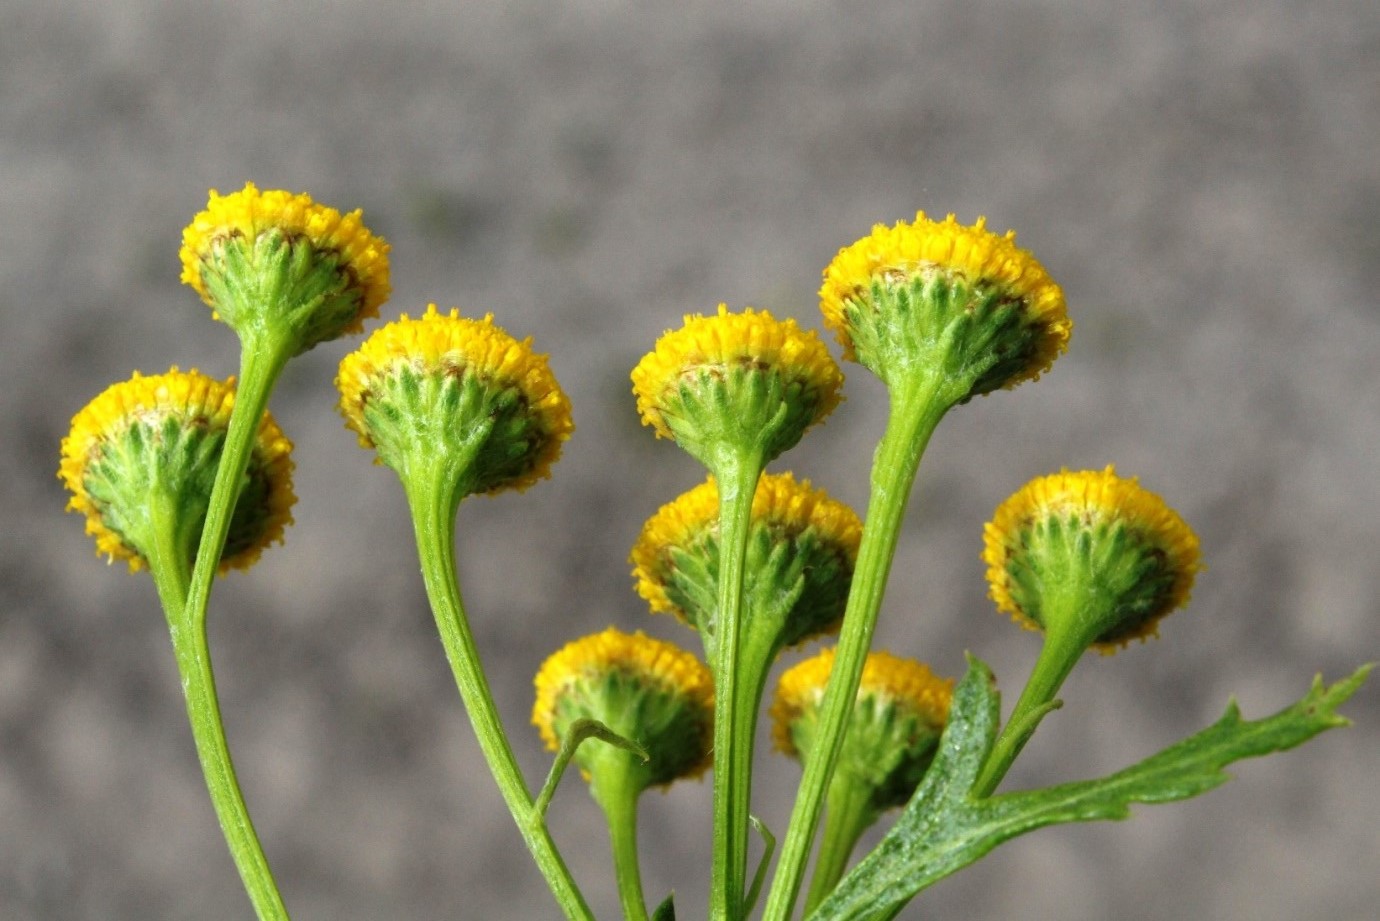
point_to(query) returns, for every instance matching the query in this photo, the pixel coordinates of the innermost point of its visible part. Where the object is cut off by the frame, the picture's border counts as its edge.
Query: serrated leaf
(944, 829)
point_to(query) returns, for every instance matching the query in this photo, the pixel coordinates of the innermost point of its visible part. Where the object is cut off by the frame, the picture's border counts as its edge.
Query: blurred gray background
(1202, 178)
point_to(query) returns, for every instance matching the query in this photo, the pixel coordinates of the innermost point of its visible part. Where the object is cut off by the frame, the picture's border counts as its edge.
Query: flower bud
(938, 297)
(277, 263)
(1089, 555)
(741, 381)
(643, 689)
(801, 549)
(160, 438)
(457, 390)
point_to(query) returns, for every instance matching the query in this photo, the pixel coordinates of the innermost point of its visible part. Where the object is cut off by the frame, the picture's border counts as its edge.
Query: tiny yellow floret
(1096, 529)
(174, 422)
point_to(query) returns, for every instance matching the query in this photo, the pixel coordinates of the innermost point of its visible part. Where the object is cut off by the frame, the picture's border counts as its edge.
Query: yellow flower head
(161, 437)
(1089, 551)
(447, 384)
(736, 378)
(900, 711)
(896, 296)
(644, 689)
(801, 549)
(280, 259)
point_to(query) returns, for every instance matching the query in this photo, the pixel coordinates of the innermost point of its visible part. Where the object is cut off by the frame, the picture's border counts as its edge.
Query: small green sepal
(480, 433)
(170, 460)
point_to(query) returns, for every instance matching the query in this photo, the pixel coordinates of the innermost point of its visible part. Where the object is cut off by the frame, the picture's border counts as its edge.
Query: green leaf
(580, 730)
(666, 911)
(769, 840)
(944, 829)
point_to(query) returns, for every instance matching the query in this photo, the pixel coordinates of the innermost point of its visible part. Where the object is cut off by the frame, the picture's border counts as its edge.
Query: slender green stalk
(618, 797)
(913, 417)
(848, 814)
(260, 365)
(1058, 656)
(168, 563)
(758, 647)
(433, 501)
(734, 712)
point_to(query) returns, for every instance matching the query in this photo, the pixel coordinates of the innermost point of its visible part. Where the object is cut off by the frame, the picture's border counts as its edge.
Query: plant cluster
(189, 476)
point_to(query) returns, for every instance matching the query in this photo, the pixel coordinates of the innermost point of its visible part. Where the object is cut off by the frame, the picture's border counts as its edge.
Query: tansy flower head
(801, 549)
(900, 711)
(280, 261)
(154, 442)
(937, 294)
(1089, 553)
(447, 386)
(646, 690)
(736, 379)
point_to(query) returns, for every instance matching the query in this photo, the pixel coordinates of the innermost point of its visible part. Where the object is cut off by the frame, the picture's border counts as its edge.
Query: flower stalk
(433, 497)
(914, 415)
(457, 406)
(140, 462)
(618, 796)
(168, 566)
(1092, 560)
(895, 723)
(848, 813)
(735, 710)
(941, 313)
(734, 391)
(261, 363)
(648, 706)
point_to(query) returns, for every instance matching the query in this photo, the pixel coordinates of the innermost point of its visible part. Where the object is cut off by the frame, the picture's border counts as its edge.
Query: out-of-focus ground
(1202, 178)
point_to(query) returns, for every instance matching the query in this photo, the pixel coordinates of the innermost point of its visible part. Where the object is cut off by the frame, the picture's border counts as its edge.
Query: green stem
(848, 814)
(1058, 656)
(759, 645)
(433, 503)
(170, 573)
(734, 714)
(618, 797)
(913, 417)
(260, 365)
